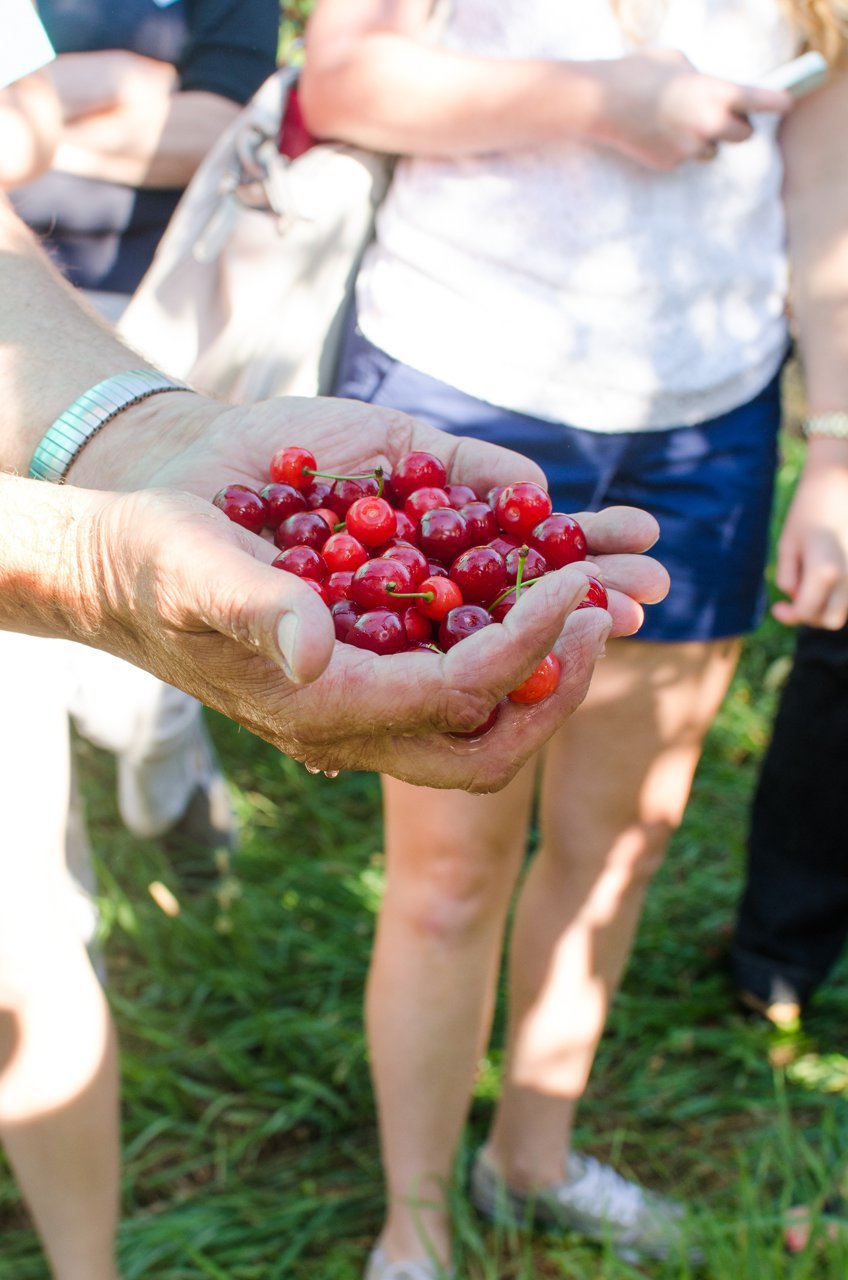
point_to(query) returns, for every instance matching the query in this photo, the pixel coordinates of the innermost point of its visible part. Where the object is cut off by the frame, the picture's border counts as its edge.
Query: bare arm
(373, 78)
(30, 121)
(126, 122)
(813, 551)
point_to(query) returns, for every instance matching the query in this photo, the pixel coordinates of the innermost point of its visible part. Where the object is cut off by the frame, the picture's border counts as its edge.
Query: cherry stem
(528, 582)
(391, 590)
(376, 474)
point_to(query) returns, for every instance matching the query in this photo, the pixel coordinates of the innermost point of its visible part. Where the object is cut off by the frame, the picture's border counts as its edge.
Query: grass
(250, 1150)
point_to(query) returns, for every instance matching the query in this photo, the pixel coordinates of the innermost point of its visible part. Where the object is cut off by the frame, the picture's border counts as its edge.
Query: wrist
(141, 440)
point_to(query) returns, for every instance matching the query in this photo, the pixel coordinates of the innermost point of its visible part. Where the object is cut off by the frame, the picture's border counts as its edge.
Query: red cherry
(443, 594)
(405, 527)
(346, 491)
(305, 562)
(442, 534)
(344, 614)
(316, 494)
(376, 583)
(480, 573)
(317, 587)
(371, 520)
(460, 495)
(520, 507)
(423, 500)
(488, 723)
(596, 597)
(540, 684)
(504, 543)
(560, 540)
(341, 551)
(243, 506)
(282, 500)
(480, 521)
(406, 553)
(534, 564)
(414, 471)
(337, 585)
(303, 529)
(380, 631)
(461, 622)
(293, 466)
(502, 606)
(418, 628)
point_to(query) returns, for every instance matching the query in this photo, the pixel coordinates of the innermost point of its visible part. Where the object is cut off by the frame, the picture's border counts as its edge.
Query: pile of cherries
(408, 561)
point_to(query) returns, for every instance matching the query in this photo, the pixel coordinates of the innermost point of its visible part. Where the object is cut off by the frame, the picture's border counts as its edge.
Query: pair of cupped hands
(174, 586)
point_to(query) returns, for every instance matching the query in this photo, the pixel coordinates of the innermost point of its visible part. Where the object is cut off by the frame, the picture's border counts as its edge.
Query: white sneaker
(379, 1268)
(594, 1201)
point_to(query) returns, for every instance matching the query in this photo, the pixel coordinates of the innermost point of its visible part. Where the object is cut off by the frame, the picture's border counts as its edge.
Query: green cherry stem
(528, 582)
(377, 474)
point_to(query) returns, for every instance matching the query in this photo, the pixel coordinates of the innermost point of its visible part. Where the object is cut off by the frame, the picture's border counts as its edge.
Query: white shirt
(24, 46)
(568, 282)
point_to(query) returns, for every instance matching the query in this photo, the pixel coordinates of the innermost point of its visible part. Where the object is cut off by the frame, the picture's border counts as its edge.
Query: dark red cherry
(480, 521)
(337, 585)
(282, 500)
(461, 622)
(480, 573)
(243, 506)
(423, 500)
(344, 614)
(442, 534)
(414, 471)
(303, 529)
(534, 564)
(460, 495)
(380, 631)
(303, 561)
(375, 582)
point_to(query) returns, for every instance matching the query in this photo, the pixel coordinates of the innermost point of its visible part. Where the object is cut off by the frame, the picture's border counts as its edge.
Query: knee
(643, 852)
(456, 892)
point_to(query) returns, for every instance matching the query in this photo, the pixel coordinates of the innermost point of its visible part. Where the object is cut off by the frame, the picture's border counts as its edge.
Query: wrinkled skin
(177, 588)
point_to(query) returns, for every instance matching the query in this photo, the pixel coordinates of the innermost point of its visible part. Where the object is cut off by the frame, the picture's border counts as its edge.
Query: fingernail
(287, 640)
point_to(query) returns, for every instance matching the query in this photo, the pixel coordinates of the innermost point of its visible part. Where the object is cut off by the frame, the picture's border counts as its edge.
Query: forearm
(392, 92)
(30, 120)
(155, 143)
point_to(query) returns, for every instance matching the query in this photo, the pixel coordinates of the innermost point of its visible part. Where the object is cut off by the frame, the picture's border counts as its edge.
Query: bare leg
(452, 863)
(616, 784)
(58, 1069)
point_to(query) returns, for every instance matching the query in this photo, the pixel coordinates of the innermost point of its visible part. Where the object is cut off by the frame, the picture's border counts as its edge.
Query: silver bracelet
(832, 425)
(73, 429)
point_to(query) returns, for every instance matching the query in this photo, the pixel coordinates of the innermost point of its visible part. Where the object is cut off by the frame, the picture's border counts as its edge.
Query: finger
(618, 529)
(736, 128)
(486, 764)
(264, 609)
(641, 577)
(749, 99)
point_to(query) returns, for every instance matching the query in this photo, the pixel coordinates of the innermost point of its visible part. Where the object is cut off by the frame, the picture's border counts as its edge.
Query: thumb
(269, 611)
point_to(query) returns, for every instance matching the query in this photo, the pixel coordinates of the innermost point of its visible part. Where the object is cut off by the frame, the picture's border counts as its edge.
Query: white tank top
(570, 283)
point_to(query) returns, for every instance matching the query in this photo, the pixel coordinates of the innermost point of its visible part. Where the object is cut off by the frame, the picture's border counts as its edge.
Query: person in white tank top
(589, 228)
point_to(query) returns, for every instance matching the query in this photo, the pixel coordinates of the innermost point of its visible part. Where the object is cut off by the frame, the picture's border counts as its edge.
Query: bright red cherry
(596, 597)
(305, 562)
(480, 573)
(293, 466)
(520, 507)
(282, 500)
(414, 471)
(342, 551)
(303, 529)
(243, 506)
(540, 684)
(423, 500)
(337, 585)
(438, 596)
(318, 588)
(376, 584)
(442, 534)
(560, 540)
(371, 520)
(461, 622)
(418, 628)
(345, 492)
(380, 631)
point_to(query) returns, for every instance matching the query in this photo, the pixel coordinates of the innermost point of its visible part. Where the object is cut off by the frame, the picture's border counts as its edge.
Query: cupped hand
(659, 110)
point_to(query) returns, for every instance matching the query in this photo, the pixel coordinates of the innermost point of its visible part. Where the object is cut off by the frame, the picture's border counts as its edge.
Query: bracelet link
(65, 439)
(833, 426)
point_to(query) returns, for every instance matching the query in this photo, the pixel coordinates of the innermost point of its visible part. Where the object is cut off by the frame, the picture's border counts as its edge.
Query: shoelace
(598, 1187)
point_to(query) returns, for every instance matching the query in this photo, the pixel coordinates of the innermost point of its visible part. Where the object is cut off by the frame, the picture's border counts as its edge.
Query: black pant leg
(793, 915)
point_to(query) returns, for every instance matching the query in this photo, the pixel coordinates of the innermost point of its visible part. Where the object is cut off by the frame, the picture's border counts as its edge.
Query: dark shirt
(102, 235)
